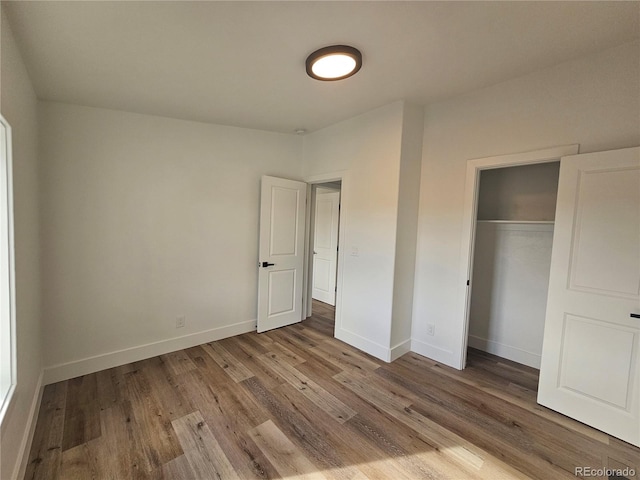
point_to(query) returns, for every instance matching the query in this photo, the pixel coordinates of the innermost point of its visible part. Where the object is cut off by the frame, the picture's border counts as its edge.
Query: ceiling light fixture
(334, 63)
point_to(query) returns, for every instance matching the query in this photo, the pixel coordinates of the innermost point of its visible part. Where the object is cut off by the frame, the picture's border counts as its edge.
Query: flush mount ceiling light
(334, 63)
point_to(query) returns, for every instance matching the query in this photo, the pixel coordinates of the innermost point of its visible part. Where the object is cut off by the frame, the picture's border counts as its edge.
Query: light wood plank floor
(296, 403)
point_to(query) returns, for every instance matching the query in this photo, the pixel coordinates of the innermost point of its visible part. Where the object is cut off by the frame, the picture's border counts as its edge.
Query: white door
(282, 213)
(590, 356)
(325, 246)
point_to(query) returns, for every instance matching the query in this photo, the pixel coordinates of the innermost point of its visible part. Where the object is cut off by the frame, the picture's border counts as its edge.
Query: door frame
(312, 181)
(470, 212)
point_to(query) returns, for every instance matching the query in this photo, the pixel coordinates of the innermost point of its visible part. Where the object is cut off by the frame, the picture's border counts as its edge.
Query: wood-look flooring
(296, 403)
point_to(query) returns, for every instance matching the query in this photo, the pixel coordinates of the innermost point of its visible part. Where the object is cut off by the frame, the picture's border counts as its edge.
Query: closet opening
(511, 260)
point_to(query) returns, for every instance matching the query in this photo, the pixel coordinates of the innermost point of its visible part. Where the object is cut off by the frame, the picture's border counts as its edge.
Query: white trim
(434, 353)
(364, 344)
(6, 400)
(518, 222)
(469, 222)
(399, 350)
(506, 351)
(8, 297)
(20, 467)
(65, 371)
(520, 226)
(307, 306)
(326, 177)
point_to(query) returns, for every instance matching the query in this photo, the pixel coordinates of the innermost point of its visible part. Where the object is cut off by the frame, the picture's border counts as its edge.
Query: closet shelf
(534, 222)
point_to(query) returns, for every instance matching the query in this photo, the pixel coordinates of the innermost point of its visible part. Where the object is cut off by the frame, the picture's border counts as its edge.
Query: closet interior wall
(512, 257)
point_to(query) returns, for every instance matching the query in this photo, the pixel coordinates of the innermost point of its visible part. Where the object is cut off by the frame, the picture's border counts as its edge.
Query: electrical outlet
(431, 329)
(181, 321)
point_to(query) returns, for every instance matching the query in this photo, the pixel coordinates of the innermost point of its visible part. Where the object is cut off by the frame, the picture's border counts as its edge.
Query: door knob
(267, 264)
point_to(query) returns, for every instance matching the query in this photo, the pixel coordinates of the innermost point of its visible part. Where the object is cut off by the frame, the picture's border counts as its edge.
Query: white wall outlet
(431, 329)
(181, 321)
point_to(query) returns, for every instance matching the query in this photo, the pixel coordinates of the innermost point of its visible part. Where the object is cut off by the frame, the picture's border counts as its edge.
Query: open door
(590, 356)
(325, 246)
(281, 261)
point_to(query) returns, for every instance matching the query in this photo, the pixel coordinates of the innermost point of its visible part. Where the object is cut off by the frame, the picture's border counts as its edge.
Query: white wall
(368, 147)
(526, 192)
(381, 152)
(145, 219)
(408, 202)
(592, 101)
(19, 107)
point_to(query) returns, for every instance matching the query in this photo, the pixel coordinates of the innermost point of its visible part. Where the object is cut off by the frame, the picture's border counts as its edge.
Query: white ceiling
(242, 63)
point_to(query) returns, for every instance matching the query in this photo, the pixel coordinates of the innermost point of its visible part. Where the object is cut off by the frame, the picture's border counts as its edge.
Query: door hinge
(467, 282)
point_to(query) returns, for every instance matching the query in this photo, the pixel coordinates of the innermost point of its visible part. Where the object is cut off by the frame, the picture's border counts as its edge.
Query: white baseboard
(65, 371)
(400, 349)
(435, 353)
(366, 345)
(25, 444)
(506, 351)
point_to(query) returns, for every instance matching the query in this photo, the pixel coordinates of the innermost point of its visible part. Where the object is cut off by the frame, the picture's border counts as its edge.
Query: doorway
(280, 198)
(324, 247)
